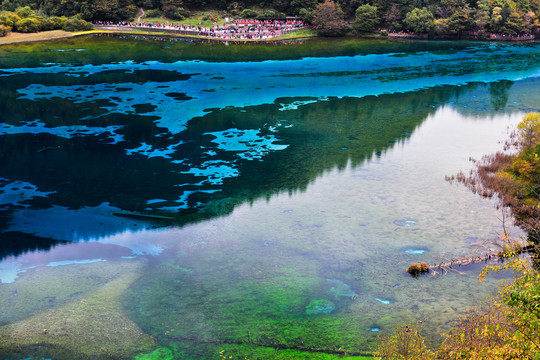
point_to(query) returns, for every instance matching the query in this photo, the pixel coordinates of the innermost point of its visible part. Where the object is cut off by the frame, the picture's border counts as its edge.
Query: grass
(14, 37)
(299, 34)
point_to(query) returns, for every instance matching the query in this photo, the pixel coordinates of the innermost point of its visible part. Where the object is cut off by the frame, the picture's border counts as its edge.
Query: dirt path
(141, 14)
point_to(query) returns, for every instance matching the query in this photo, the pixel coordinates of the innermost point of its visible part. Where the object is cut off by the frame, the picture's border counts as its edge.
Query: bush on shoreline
(25, 20)
(514, 178)
(76, 24)
(4, 30)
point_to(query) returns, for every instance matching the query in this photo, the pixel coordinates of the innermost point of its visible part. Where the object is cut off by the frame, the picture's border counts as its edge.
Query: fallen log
(416, 269)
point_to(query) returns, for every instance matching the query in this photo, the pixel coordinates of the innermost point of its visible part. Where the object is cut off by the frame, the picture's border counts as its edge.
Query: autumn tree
(328, 18)
(393, 17)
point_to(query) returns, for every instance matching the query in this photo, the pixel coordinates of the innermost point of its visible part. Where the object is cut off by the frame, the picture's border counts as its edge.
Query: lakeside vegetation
(441, 18)
(507, 326)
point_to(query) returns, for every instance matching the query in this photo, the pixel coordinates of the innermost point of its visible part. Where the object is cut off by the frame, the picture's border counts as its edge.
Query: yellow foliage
(529, 130)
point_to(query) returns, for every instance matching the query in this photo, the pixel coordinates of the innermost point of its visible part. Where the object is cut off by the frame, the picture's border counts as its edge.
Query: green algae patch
(247, 303)
(92, 326)
(162, 353)
(321, 306)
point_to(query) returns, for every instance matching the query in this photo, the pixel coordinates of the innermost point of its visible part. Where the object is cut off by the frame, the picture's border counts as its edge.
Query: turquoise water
(293, 192)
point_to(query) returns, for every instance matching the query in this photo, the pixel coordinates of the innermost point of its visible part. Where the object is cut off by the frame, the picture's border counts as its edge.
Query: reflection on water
(296, 194)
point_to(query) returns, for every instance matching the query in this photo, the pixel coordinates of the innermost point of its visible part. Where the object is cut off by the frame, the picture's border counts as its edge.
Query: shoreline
(21, 38)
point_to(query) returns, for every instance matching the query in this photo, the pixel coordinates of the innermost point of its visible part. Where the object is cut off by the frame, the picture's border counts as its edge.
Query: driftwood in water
(453, 264)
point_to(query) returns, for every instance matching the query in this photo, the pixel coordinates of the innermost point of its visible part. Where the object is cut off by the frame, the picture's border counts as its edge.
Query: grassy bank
(14, 37)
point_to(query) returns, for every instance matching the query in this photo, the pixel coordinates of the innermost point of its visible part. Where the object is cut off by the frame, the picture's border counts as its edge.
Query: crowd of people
(243, 29)
(470, 34)
(507, 37)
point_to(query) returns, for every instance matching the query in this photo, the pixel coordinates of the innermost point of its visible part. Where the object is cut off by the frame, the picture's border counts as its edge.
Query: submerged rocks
(321, 306)
(414, 250)
(405, 222)
(339, 288)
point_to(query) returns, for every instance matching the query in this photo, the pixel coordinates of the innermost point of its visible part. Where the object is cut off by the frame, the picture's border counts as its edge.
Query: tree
(528, 131)
(393, 17)
(328, 18)
(349, 6)
(481, 18)
(306, 15)
(496, 21)
(235, 8)
(366, 17)
(420, 20)
(528, 21)
(514, 23)
(460, 20)
(441, 26)
(297, 5)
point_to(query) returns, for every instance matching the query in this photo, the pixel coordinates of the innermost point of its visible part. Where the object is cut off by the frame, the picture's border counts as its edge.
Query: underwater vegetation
(92, 324)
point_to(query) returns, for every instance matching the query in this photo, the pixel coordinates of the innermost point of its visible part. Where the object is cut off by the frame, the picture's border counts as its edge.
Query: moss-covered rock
(321, 306)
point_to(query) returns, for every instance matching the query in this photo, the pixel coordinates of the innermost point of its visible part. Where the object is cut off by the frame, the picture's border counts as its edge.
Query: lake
(192, 200)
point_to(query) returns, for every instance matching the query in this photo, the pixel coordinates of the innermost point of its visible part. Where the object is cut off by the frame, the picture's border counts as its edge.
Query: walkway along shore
(469, 35)
(241, 30)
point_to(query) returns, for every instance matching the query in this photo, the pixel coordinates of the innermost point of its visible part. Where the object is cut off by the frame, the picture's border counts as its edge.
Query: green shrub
(4, 30)
(9, 18)
(153, 13)
(58, 21)
(76, 24)
(25, 12)
(248, 13)
(267, 14)
(384, 32)
(28, 25)
(45, 24)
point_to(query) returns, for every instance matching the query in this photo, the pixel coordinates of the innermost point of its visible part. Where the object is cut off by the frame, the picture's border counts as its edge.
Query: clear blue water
(307, 181)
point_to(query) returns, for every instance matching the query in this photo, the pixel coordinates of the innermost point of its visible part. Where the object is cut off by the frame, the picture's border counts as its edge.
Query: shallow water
(297, 190)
